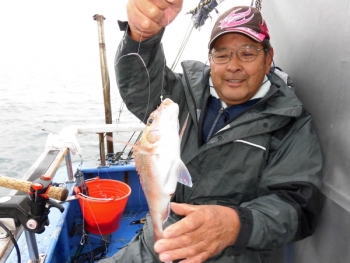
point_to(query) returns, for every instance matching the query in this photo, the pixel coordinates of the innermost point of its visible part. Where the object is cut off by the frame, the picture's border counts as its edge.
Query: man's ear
(268, 60)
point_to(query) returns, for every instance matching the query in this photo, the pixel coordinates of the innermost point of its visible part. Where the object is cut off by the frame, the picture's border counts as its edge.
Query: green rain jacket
(266, 163)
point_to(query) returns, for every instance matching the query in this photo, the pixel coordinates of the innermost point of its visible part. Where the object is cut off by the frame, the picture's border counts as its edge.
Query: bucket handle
(95, 198)
(92, 179)
(77, 190)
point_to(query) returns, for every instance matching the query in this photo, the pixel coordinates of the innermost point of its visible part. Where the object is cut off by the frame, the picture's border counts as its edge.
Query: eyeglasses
(244, 53)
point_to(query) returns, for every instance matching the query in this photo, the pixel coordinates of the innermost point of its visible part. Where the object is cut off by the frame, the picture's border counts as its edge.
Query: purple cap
(240, 19)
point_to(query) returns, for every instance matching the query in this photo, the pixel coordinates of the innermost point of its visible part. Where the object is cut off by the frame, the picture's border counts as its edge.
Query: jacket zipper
(213, 126)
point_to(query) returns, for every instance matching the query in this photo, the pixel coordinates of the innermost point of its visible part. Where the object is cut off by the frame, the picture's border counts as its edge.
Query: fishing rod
(200, 14)
(31, 210)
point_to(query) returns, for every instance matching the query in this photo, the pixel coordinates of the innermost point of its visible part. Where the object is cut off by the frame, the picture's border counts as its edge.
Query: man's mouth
(234, 80)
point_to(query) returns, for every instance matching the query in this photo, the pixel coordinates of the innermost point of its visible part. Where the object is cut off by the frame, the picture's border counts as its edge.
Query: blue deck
(61, 240)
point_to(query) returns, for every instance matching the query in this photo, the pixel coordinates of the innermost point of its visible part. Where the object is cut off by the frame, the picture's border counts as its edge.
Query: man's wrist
(235, 223)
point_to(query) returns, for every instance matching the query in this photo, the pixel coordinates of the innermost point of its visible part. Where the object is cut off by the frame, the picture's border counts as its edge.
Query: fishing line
(125, 230)
(164, 65)
(145, 115)
(183, 45)
(148, 78)
(86, 237)
(120, 112)
(149, 82)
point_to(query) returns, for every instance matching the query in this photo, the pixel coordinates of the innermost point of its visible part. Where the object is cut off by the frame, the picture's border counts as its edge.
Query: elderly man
(249, 145)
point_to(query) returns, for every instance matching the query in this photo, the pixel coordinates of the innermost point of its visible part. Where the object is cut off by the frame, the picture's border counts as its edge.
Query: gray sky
(57, 33)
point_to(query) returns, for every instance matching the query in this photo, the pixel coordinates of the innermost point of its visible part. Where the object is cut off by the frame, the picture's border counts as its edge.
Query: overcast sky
(64, 32)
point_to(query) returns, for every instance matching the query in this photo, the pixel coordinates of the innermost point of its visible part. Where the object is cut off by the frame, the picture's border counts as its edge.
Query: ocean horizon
(50, 74)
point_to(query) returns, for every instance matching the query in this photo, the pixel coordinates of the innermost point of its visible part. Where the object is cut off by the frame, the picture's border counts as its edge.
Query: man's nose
(235, 64)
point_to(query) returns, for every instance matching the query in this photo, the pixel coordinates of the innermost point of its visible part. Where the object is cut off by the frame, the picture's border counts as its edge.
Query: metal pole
(32, 246)
(102, 149)
(105, 77)
(69, 166)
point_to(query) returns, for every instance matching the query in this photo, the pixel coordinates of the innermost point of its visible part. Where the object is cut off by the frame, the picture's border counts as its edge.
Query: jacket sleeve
(141, 73)
(289, 201)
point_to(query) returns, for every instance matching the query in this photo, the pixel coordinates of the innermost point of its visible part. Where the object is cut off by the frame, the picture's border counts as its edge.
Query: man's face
(236, 81)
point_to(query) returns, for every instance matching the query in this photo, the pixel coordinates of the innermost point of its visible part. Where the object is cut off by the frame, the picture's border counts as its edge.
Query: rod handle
(58, 193)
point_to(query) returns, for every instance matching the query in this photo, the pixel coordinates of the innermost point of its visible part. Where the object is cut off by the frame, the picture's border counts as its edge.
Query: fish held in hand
(157, 160)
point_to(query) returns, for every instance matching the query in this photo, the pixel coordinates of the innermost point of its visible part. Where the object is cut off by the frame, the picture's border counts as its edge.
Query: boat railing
(48, 163)
(101, 129)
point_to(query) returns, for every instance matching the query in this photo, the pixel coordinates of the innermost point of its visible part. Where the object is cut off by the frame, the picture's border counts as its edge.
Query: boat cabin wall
(311, 40)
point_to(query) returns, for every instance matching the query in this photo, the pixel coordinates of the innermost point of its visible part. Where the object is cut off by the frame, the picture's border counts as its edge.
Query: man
(249, 145)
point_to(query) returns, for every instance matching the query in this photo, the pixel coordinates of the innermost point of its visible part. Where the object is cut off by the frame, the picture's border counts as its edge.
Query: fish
(158, 162)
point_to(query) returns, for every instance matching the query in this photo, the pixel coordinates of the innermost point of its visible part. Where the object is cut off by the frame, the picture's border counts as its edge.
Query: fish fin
(184, 175)
(166, 214)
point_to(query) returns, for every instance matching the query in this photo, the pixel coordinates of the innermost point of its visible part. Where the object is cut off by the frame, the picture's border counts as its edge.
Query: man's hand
(205, 231)
(147, 17)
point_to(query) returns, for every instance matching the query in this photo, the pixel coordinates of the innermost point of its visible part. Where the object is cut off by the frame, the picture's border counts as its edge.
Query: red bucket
(103, 208)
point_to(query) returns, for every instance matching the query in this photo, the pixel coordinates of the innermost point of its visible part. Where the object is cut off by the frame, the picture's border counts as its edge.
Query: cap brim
(237, 30)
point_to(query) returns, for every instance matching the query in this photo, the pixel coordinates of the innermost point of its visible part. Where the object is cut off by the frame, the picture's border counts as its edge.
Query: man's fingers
(144, 10)
(183, 209)
(173, 244)
(203, 232)
(196, 253)
(187, 225)
(152, 11)
(140, 23)
(147, 17)
(161, 4)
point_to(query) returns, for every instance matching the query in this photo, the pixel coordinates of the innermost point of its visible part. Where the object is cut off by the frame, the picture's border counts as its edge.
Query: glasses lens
(221, 56)
(247, 53)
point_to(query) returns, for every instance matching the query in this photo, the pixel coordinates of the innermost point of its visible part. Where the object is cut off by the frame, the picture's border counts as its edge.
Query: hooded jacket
(265, 163)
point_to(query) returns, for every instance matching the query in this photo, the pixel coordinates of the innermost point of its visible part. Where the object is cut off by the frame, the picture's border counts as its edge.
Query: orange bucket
(103, 208)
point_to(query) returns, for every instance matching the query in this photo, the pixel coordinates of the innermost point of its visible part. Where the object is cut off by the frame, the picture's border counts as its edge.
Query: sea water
(50, 78)
(50, 74)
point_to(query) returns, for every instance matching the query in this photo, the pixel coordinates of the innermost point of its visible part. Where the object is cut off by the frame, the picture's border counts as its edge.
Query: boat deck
(65, 231)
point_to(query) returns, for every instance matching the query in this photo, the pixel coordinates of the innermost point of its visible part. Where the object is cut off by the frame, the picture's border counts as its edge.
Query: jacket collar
(264, 88)
(280, 99)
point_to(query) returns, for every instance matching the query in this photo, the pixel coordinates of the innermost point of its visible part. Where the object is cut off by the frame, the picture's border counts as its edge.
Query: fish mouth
(154, 130)
(167, 102)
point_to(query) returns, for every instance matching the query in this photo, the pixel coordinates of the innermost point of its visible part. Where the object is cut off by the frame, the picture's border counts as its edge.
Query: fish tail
(157, 236)
(166, 213)
(157, 230)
